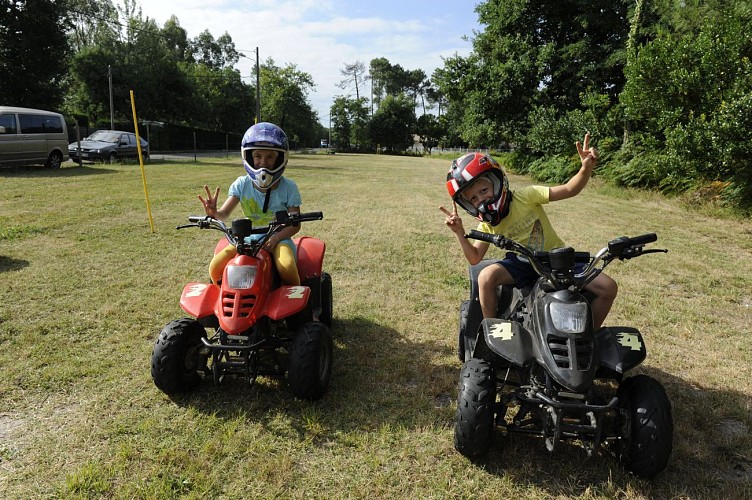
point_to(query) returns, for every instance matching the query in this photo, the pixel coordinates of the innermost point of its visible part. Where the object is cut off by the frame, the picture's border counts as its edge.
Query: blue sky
(321, 36)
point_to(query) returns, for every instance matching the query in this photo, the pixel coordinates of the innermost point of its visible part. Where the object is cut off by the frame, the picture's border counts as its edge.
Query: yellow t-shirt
(527, 222)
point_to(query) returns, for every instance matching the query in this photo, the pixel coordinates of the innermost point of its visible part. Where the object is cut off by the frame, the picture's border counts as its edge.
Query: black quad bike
(257, 326)
(542, 358)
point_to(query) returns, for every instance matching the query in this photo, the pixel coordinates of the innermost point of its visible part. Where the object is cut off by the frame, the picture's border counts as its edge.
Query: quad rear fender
(310, 257)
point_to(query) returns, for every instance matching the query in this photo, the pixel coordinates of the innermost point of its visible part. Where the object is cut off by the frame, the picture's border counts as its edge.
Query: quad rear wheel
(326, 299)
(310, 361)
(474, 422)
(648, 426)
(177, 360)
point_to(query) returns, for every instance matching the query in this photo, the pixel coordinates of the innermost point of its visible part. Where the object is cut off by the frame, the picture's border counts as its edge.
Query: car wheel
(310, 361)
(112, 157)
(474, 422)
(55, 160)
(177, 360)
(648, 427)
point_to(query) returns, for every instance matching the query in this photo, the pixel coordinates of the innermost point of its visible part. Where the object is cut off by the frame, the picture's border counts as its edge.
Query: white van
(32, 136)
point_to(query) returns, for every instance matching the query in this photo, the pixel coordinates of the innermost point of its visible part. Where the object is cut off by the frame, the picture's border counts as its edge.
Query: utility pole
(258, 88)
(112, 112)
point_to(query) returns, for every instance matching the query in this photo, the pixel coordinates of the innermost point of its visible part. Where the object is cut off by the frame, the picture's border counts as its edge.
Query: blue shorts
(523, 273)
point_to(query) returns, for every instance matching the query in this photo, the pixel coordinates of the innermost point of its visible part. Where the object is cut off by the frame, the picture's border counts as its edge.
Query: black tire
(474, 422)
(176, 360)
(112, 158)
(310, 361)
(649, 431)
(326, 300)
(464, 310)
(54, 160)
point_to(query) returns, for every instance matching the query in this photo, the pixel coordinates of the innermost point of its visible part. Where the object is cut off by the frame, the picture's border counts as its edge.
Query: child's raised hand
(210, 203)
(453, 221)
(588, 154)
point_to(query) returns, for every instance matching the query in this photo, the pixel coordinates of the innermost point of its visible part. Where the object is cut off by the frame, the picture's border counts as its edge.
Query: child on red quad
(243, 312)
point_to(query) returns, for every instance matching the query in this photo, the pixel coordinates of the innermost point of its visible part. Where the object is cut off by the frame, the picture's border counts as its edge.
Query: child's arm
(474, 250)
(588, 158)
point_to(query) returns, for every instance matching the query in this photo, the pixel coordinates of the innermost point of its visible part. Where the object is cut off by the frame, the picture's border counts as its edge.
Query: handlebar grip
(311, 215)
(196, 218)
(643, 239)
(480, 235)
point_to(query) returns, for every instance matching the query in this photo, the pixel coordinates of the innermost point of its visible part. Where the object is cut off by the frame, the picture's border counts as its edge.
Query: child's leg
(605, 289)
(287, 266)
(220, 260)
(489, 278)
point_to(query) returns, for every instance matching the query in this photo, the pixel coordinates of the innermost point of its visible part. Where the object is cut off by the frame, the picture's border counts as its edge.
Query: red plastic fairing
(199, 299)
(286, 301)
(310, 256)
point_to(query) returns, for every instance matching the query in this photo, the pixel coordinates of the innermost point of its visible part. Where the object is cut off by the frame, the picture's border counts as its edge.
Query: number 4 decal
(631, 341)
(295, 292)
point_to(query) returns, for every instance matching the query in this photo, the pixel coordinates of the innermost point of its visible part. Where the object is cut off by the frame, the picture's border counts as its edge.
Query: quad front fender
(508, 339)
(199, 299)
(621, 348)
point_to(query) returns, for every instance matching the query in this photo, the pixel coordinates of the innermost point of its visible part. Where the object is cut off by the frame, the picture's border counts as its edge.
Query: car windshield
(104, 136)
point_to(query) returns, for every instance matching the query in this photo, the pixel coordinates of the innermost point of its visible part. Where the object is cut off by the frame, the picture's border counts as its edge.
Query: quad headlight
(569, 318)
(240, 277)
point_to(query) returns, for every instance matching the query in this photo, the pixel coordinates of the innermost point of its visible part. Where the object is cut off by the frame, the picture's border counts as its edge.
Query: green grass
(85, 287)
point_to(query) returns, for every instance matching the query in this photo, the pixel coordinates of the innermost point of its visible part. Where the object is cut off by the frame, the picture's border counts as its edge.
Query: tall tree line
(72, 55)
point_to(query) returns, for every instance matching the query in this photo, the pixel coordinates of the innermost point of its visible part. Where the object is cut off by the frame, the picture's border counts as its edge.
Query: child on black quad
(479, 185)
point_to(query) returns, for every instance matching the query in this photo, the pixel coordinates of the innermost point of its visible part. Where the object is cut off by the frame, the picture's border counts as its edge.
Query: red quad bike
(539, 367)
(258, 326)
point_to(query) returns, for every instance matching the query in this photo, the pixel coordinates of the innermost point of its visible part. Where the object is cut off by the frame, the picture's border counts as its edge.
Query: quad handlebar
(241, 228)
(557, 265)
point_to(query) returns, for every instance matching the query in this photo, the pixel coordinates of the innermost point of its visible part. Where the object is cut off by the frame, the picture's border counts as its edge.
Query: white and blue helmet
(264, 135)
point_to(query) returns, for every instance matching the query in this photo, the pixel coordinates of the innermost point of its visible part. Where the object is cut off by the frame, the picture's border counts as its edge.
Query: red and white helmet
(468, 169)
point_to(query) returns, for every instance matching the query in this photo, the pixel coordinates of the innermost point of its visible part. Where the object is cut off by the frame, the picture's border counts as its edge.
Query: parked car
(109, 146)
(32, 136)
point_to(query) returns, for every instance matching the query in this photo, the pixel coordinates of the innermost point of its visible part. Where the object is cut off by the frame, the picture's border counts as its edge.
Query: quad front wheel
(474, 422)
(177, 359)
(648, 427)
(310, 361)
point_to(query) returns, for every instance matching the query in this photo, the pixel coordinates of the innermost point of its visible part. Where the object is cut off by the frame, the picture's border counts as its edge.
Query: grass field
(85, 287)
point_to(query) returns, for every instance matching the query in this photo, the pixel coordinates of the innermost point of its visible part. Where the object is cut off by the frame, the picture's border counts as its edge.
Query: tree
(350, 123)
(355, 74)
(33, 52)
(430, 130)
(215, 54)
(534, 53)
(284, 101)
(392, 126)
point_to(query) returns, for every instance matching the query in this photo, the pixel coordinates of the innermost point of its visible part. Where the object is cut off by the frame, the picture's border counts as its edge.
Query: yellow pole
(141, 162)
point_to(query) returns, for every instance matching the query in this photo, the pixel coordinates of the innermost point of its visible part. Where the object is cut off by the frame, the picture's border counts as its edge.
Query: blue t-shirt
(282, 197)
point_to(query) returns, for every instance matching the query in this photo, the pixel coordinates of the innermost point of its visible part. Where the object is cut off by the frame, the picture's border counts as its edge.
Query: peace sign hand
(453, 221)
(210, 203)
(588, 154)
